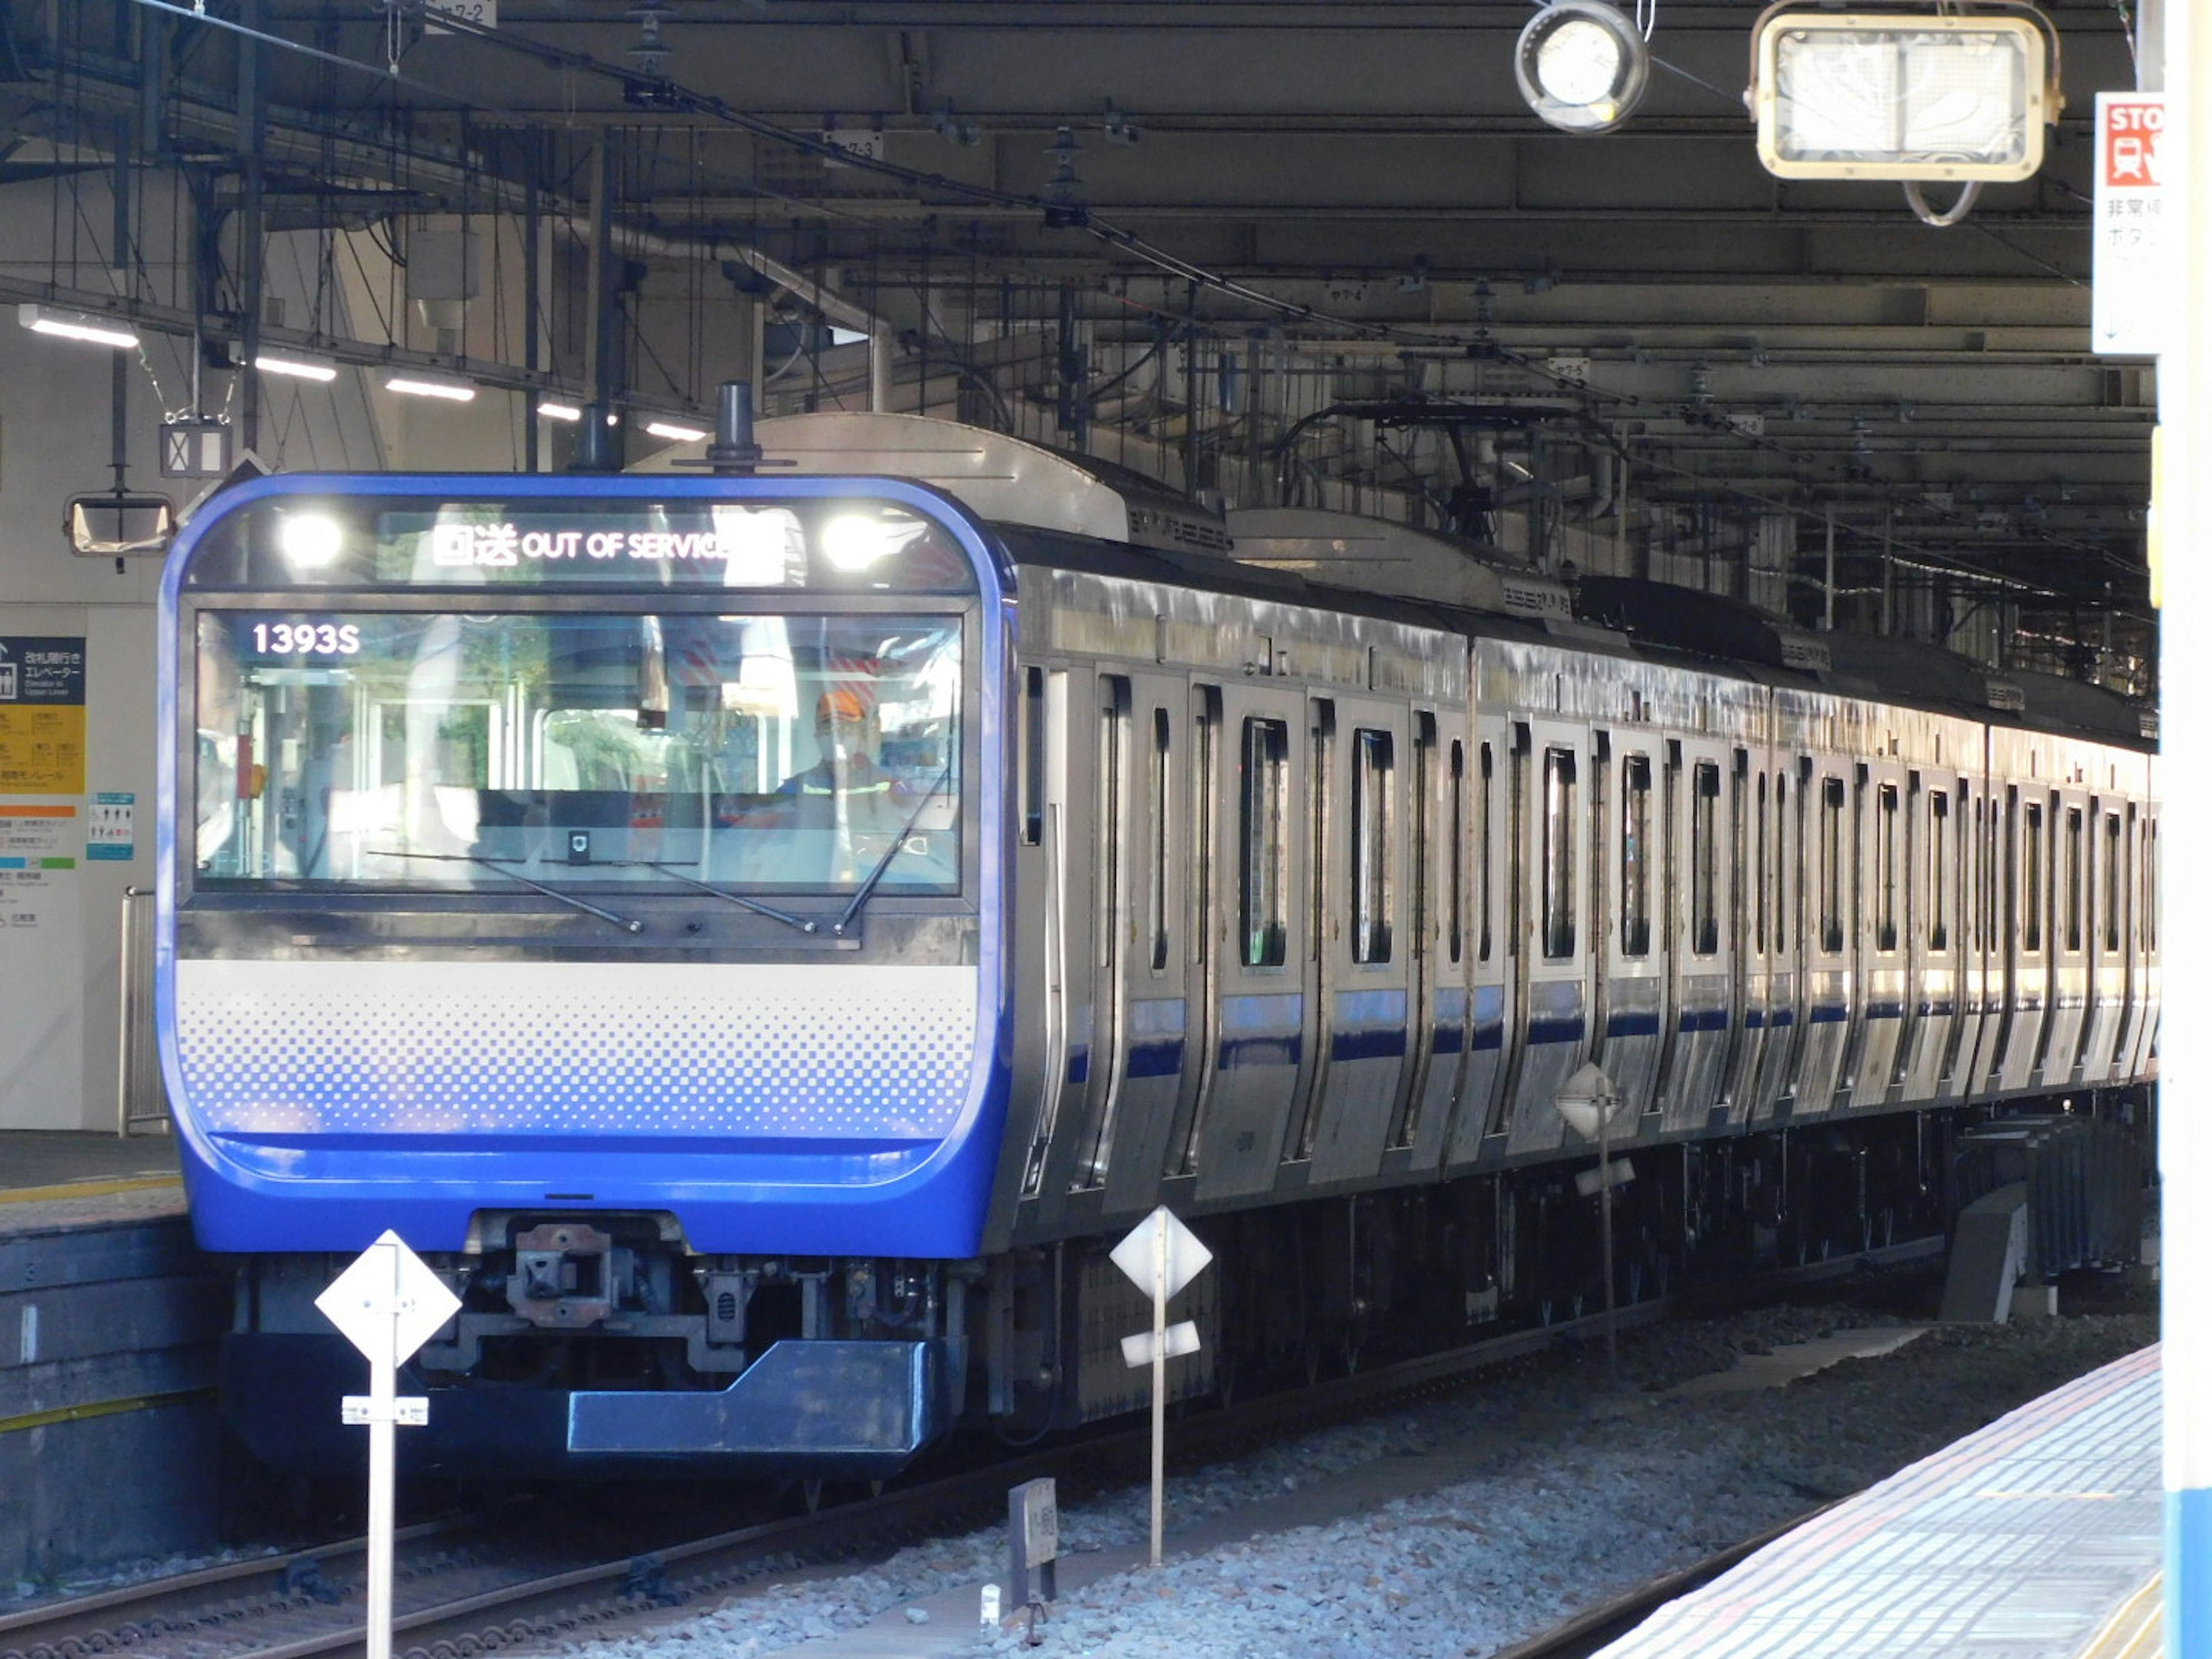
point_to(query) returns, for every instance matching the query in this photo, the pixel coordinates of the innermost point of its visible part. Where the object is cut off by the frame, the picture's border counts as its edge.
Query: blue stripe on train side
(1160, 1059)
(1237, 1052)
(1556, 1031)
(1827, 1013)
(1888, 1008)
(1639, 1024)
(1377, 1043)
(1702, 1019)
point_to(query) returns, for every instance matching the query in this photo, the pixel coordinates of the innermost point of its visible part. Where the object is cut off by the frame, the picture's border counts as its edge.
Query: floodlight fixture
(676, 432)
(75, 326)
(1909, 96)
(553, 410)
(1582, 65)
(413, 385)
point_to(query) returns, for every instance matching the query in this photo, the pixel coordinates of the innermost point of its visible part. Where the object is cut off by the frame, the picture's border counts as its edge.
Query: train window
(1705, 859)
(1373, 787)
(1885, 867)
(1456, 854)
(1832, 864)
(2033, 885)
(1559, 852)
(1781, 863)
(1517, 838)
(1759, 870)
(1482, 862)
(1996, 871)
(1263, 842)
(1205, 738)
(1032, 756)
(1157, 878)
(1939, 869)
(2113, 889)
(2075, 841)
(2150, 886)
(1113, 811)
(1636, 855)
(781, 751)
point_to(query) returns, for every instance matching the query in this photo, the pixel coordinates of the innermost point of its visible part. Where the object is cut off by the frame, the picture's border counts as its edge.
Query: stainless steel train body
(1292, 896)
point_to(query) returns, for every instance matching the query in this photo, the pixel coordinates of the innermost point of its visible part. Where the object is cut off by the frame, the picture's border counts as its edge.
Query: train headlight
(310, 540)
(854, 542)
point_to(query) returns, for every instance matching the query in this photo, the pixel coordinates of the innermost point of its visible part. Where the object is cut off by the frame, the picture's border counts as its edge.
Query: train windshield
(468, 748)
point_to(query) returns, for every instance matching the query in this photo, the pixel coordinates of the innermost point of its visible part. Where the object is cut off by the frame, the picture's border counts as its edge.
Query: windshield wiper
(738, 899)
(497, 867)
(898, 845)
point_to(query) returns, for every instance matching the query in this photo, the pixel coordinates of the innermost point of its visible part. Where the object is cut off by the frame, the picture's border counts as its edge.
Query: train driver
(846, 796)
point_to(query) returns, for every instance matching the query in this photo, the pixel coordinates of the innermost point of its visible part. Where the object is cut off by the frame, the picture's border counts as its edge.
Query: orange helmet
(850, 702)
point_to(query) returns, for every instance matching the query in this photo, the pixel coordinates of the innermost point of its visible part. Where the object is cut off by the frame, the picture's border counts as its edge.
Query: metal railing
(141, 1101)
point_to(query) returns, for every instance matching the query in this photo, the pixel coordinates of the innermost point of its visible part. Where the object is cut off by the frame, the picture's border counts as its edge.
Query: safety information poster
(34, 840)
(41, 715)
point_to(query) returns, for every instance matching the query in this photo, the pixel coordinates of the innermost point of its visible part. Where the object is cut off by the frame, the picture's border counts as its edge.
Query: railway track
(461, 1590)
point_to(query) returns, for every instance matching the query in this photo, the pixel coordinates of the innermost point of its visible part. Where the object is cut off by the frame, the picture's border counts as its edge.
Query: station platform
(54, 1180)
(2039, 1537)
(109, 1319)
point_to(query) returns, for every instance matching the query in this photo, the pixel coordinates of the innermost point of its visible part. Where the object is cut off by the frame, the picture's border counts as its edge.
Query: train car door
(1781, 917)
(1551, 989)
(2108, 961)
(1984, 986)
(1493, 1011)
(1880, 923)
(2139, 1044)
(1631, 941)
(1364, 948)
(1704, 881)
(1093, 819)
(2025, 890)
(1200, 853)
(1755, 855)
(1931, 1000)
(1160, 781)
(2057, 1064)
(1826, 846)
(1438, 856)
(1262, 925)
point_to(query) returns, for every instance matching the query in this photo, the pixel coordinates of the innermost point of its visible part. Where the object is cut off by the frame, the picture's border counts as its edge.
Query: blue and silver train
(762, 939)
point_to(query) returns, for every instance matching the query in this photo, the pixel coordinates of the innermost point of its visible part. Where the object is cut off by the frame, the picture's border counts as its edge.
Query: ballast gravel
(1560, 1488)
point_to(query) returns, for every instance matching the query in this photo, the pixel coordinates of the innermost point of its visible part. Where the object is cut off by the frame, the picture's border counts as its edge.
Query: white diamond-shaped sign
(1138, 1256)
(388, 1303)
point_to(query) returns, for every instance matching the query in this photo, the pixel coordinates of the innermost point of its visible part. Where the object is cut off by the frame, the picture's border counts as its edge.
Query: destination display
(834, 544)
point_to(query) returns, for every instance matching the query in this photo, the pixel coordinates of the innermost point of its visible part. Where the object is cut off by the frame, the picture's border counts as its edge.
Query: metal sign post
(387, 1303)
(1161, 1255)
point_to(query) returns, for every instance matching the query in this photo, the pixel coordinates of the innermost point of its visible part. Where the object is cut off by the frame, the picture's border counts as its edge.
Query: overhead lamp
(673, 432)
(295, 367)
(74, 325)
(1912, 97)
(552, 410)
(425, 385)
(1582, 65)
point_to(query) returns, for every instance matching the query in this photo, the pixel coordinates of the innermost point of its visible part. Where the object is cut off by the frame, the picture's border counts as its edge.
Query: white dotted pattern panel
(630, 1048)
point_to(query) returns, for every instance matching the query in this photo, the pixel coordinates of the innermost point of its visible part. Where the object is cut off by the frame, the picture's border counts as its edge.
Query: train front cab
(485, 917)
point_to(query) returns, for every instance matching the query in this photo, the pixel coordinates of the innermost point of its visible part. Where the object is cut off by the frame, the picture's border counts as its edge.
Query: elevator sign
(2136, 271)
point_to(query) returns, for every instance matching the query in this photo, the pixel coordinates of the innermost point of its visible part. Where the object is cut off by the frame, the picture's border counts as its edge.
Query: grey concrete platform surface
(2034, 1538)
(110, 1447)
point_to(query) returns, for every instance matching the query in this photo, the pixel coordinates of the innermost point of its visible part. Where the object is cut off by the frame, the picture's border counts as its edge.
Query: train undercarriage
(594, 1345)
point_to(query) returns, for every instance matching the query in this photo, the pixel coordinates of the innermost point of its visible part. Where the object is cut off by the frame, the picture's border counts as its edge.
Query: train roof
(1069, 511)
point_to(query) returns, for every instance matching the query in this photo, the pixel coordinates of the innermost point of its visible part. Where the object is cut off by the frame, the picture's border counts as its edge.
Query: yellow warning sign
(41, 748)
